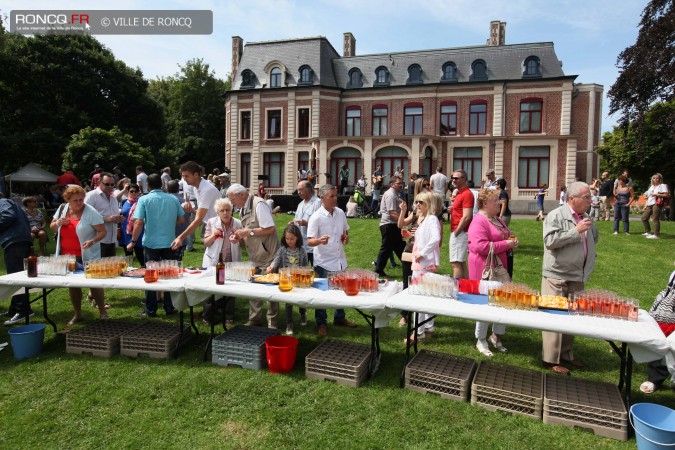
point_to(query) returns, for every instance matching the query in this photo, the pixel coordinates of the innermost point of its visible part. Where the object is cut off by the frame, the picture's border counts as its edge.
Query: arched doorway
(349, 156)
(390, 158)
(428, 168)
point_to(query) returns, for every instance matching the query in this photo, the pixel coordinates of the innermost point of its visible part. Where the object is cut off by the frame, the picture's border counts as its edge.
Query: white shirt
(330, 256)
(106, 206)
(142, 182)
(303, 212)
(440, 183)
(660, 189)
(475, 200)
(206, 195)
(262, 211)
(165, 180)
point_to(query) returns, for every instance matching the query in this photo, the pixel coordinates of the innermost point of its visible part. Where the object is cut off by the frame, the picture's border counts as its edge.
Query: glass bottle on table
(32, 264)
(220, 270)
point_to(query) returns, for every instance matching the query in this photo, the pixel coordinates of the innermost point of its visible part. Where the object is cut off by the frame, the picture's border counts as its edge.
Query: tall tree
(194, 113)
(647, 68)
(645, 154)
(94, 145)
(53, 86)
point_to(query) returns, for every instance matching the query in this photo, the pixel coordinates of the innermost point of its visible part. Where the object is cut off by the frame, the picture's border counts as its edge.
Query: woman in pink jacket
(486, 227)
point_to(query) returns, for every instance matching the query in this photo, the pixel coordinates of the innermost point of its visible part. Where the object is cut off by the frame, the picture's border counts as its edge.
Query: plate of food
(553, 302)
(134, 273)
(270, 278)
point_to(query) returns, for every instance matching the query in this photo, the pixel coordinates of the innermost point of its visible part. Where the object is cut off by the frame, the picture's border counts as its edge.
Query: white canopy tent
(31, 173)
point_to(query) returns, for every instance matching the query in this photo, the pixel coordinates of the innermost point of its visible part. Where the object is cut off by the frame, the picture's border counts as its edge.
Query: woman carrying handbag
(489, 241)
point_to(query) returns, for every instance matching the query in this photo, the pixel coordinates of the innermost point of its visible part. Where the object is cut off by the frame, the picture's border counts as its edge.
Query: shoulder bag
(494, 270)
(663, 308)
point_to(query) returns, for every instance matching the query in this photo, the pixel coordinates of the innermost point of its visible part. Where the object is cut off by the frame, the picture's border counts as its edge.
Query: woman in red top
(80, 229)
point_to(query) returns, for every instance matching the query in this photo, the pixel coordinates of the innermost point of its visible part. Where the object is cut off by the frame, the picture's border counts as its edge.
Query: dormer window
(247, 79)
(355, 78)
(381, 76)
(478, 71)
(306, 75)
(275, 78)
(532, 67)
(414, 74)
(449, 72)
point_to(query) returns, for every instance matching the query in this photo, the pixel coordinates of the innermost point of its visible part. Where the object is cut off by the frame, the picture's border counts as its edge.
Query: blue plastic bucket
(27, 340)
(654, 426)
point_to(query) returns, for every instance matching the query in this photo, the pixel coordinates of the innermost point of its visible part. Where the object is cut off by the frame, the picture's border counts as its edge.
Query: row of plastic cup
(56, 265)
(603, 303)
(110, 267)
(513, 296)
(433, 285)
(239, 271)
(353, 281)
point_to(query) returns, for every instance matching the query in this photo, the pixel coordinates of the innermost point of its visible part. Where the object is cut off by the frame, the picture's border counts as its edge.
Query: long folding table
(642, 341)
(10, 283)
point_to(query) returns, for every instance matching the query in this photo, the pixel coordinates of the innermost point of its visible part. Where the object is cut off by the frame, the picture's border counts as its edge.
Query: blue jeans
(320, 314)
(158, 254)
(621, 213)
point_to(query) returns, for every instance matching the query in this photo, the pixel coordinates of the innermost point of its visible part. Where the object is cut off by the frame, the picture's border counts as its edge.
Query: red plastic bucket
(281, 352)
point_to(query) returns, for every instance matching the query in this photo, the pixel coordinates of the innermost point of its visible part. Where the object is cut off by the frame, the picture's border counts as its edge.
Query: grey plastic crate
(242, 346)
(439, 373)
(153, 339)
(101, 338)
(343, 362)
(508, 388)
(591, 405)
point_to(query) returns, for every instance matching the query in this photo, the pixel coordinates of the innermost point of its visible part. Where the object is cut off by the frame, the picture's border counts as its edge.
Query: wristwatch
(252, 233)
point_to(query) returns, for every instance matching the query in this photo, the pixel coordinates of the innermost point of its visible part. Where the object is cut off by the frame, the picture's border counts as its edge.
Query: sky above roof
(588, 35)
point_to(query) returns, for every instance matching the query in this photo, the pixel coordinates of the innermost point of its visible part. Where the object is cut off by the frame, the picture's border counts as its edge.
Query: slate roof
(332, 70)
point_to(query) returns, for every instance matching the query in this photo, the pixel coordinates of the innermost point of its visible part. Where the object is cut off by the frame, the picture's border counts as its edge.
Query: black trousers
(392, 242)
(14, 256)
(657, 372)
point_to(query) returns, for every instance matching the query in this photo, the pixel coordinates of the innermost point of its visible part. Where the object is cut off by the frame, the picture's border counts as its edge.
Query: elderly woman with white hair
(217, 242)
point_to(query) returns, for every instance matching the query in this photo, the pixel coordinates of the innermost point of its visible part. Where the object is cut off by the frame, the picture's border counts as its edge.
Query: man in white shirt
(309, 204)
(166, 177)
(188, 193)
(490, 180)
(102, 200)
(328, 232)
(439, 182)
(142, 179)
(206, 195)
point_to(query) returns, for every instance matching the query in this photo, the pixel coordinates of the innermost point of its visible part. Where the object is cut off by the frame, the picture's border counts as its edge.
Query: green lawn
(58, 400)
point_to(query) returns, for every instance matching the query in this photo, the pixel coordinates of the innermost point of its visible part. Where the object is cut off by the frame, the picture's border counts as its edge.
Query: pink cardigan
(481, 233)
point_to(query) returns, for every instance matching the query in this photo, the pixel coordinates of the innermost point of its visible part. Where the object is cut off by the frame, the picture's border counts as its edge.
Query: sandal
(497, 344)
(483, 348)
(403, 322)
(647, 387)
(73, 321)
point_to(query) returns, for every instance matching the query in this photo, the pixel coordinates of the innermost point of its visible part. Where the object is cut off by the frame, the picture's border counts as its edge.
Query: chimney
(502, 33)
(350, 45)
(237, 50)
(493, 40)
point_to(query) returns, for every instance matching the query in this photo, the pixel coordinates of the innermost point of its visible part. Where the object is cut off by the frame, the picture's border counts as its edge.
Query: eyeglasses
(425, 185)
(455, 178)
(108, 184)
(419, 202)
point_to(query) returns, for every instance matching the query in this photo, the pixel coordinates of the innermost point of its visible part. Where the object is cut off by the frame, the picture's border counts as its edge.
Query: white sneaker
(646, 234)
(17, 318)
(483, 348)
(289, 330)
(615, 233)
(652, 236)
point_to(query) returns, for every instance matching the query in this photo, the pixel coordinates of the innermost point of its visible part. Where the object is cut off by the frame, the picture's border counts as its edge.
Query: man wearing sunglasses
(461, 213)
(103, 201)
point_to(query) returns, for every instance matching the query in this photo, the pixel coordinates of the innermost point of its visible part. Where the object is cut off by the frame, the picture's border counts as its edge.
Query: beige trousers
(557, 346)
(255, 313)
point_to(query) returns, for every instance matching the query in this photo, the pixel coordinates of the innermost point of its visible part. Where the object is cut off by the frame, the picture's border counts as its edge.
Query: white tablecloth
(10, 283)
(198, 290)
(645, 338)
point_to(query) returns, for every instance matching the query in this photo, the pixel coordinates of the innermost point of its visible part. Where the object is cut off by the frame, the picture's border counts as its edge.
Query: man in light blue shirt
(159, 213)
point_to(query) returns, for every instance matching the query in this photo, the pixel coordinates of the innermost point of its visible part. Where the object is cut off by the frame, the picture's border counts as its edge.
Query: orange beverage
(72, 265)
(351, 285)
(285, 284)
(151, 275)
